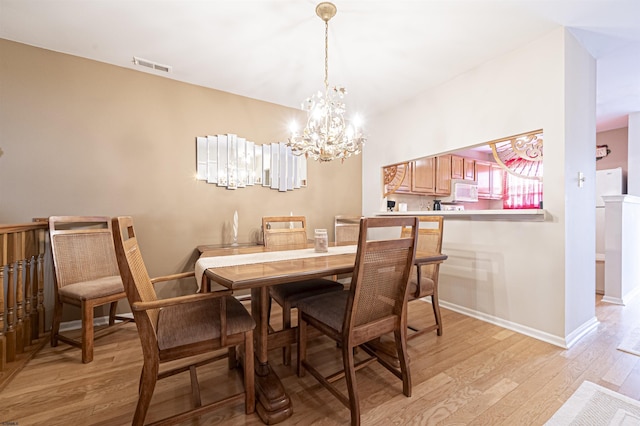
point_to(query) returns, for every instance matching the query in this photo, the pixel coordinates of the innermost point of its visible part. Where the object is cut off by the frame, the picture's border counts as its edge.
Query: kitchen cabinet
(469, 168)
(489, 176)
(483, 176)
(443, 175)
(405, 186)
(497, 174)
(424, 177)
(397, 178)
(432, 176)
(457, 167)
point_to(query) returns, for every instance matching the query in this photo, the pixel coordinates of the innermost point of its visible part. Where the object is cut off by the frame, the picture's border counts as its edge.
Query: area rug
(593, 405)
(631, 342)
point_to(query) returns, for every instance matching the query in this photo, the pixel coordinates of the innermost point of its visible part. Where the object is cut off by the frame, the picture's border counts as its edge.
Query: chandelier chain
(326, 55)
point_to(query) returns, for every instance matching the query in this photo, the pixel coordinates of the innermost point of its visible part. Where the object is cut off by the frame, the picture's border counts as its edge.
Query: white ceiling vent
(150, 64)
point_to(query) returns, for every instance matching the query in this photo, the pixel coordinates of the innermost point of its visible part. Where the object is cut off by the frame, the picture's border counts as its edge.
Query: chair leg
(286, 324)
(232, 357)
(436, 311)
(55, 326)
(148, 380)
(249, 374)
(87, 332)
(302, 345)
(350, 376)
(112, 313)
(195, 386)
(401, 347)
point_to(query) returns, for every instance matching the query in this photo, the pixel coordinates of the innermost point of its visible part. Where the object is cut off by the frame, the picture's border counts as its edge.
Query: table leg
(272, 403)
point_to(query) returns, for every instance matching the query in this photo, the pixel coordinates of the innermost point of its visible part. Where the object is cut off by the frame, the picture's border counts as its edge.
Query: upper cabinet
(489, 176)
(457, 167)
(397, 178)
(443, 175)
(425, 176)
(497, 187)
(469, 168)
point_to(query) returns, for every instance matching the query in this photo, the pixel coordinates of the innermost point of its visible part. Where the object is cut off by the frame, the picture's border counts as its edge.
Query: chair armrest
(433, 259)
(190, 298)
(173, 277)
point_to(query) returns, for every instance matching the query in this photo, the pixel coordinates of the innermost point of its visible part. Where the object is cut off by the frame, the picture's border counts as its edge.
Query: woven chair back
(429, 240)
(347, 229)
(82, 248)
(382, 268)
(284, 232)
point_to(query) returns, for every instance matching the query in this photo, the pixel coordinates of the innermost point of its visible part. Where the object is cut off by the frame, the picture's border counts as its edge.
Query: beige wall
(82, 137)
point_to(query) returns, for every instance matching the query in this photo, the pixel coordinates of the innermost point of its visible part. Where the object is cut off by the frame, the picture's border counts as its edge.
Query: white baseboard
(624, 300)
(582, 331)
(519, 328)
(614, 300)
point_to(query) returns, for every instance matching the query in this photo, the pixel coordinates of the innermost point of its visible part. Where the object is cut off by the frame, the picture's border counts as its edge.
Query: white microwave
(462, 191)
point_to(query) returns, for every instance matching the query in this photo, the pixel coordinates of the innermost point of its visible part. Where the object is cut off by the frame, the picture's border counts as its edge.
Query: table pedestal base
(272, 403)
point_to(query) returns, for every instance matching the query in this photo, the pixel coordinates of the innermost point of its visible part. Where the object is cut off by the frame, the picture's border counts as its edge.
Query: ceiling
(384, 52)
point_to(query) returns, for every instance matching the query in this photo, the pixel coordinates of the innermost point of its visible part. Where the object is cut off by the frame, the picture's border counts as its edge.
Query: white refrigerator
(608, 182)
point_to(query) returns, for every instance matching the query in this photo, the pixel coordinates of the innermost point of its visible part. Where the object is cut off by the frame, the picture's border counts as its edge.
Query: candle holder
(234, 243)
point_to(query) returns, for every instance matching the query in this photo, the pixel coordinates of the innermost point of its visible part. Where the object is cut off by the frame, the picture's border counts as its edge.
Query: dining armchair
(375, 305)
(285, 233)
(86, 276)
(424, 278)
(182, 327)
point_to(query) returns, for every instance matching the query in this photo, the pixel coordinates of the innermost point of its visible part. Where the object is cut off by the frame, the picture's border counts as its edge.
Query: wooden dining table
(273, 405)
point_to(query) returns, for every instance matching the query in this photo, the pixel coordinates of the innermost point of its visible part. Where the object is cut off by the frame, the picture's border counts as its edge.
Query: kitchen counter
(532, 215)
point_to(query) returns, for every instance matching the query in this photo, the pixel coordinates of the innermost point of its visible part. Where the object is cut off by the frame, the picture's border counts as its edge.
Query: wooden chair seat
(288, 295)
(426, 287)
(187, 324)
(93, 289)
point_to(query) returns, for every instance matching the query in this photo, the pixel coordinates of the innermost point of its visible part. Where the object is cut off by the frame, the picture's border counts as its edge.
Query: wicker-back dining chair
(375, 305)
(347, 229)
(286, 233)
(86, 275)
(180, 328)
(424, 278)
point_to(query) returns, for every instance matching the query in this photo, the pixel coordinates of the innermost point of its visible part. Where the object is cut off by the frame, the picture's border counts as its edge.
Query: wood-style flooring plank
(474, 374)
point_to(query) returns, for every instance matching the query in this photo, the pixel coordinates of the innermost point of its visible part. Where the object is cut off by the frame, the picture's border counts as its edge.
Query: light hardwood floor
(475, 374)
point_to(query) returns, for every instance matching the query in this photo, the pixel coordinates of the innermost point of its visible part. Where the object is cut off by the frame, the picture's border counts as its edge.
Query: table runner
(205, 263)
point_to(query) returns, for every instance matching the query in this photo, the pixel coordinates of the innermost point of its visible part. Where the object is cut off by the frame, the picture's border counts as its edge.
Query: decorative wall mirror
(234, 162)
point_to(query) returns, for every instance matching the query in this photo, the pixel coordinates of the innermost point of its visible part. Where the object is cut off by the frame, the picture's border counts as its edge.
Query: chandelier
(327, 135)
